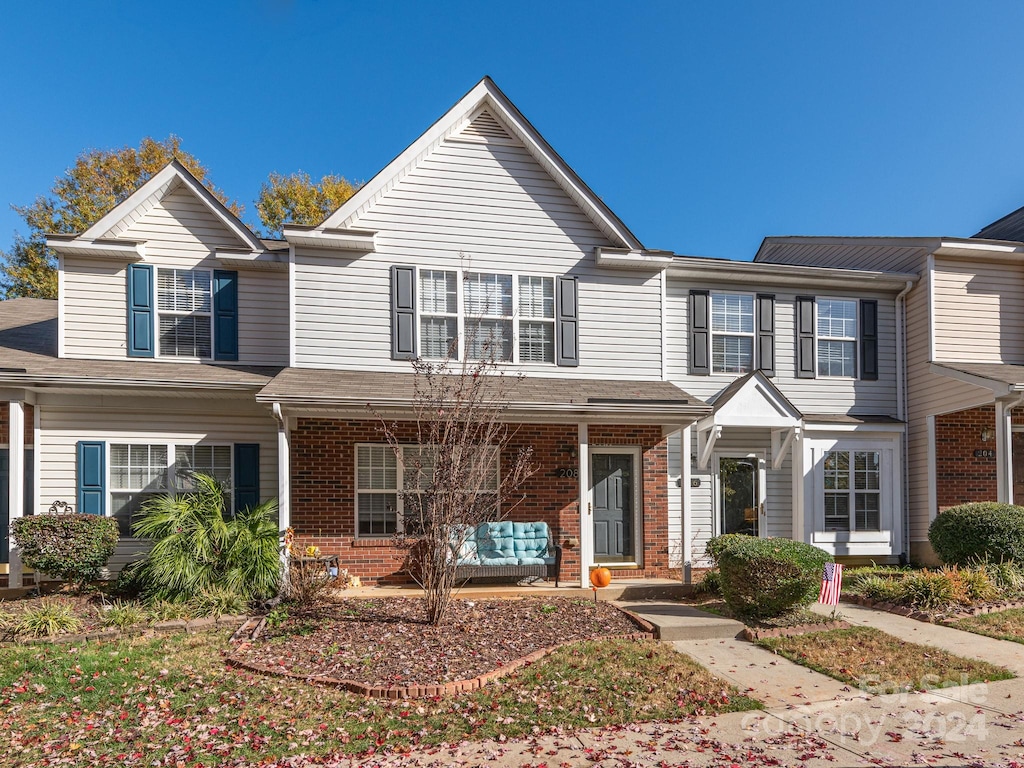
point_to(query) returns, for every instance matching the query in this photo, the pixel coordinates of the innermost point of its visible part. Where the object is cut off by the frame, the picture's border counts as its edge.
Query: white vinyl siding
(144, 421)
(979, 312)
(822, 395)
(476, 207)
(179, 232)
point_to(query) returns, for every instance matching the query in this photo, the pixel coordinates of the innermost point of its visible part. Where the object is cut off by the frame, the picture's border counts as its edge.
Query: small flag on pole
(831, 584)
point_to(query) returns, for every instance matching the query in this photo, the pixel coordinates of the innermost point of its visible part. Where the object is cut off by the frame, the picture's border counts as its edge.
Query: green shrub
(50, 617)
(8, 623)
(165, 610)
(218, 601)
(765, 578)
(70, 547)
(971, 585)
(986, 532)
(879, 588)
(1008, 577)
(123, 615)
(197, 546)
(929, 590)
(711, 584)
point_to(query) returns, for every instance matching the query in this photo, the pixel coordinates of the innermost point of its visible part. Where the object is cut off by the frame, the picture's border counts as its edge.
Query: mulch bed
(376, 646)
(935, 617)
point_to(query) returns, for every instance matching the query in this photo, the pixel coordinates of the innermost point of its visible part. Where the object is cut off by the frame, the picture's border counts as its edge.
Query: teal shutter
(225, 315)
(247, 475)
(403, 313)
(92, 478)
(567, 321)
(141, 320)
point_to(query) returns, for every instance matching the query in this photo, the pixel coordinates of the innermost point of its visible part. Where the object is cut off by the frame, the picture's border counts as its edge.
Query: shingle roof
(1004, 373)
(28, 353)
(1010, 227)
(307, 386)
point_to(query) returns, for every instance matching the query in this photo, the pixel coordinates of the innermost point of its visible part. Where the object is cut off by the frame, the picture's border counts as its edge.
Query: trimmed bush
(766, 578)
(982, 532)
(70, 547)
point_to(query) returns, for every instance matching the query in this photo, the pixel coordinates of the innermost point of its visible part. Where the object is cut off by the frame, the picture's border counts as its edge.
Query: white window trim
(515, 318)
(170, 476)
(157, 312)
(851, 490)
(855, 339)
(713, 333)
(399, 491)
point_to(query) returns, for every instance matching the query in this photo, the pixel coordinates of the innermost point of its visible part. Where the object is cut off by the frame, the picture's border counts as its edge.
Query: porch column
(586, 512)
(799, 482)
(15, 485)
(284, 491)
(1004, 452)
(685, 475)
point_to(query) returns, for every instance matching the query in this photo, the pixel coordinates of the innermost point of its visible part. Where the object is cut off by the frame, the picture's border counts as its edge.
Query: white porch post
(685, 475)
(15, 485)
(284, 494)
(800, 532)
(586, 513)
(1004, 453)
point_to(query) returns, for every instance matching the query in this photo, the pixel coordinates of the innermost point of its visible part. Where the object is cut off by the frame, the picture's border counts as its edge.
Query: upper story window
(505, 316)
(732, 333)
(852, 488)
(837, 337)
(184, 312)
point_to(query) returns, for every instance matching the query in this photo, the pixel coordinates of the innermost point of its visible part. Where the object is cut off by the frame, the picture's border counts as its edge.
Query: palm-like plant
(196, 546)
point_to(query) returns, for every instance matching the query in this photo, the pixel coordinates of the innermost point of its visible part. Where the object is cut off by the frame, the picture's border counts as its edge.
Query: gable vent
(485, 127)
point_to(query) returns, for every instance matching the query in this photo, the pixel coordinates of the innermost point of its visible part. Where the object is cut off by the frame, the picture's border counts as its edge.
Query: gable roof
(483, 114)
(753, 400)
(105, 236)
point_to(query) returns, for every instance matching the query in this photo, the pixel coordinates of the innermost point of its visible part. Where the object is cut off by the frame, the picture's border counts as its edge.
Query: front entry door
(614, 488)
(739, 495)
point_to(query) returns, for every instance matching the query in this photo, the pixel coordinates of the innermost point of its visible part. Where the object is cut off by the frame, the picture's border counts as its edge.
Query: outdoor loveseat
(505, 549)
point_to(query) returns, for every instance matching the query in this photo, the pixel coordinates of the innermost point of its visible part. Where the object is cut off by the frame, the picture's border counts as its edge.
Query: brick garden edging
(424, 691)
(159, 628)
(934, 618)
(756, 633)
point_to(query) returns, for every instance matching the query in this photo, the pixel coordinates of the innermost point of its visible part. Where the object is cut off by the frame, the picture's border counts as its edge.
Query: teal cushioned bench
(505, 549)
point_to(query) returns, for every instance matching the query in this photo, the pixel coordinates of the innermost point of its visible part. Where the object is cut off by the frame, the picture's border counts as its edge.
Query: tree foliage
(99, 180)
(296, 199)
(452, 479)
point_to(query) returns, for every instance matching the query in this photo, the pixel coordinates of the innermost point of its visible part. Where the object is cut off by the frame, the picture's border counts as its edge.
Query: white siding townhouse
(668, 398)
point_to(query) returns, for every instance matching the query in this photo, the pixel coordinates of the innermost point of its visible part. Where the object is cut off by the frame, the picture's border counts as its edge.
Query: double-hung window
(852, 488)
(837, 337)
(385, 482)
(137, 473)
(507, 317)
(439, 313)
(212, 460)
(185, 312)
(732, 333)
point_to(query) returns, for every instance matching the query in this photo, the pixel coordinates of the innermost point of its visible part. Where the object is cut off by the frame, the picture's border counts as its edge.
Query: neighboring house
(181, 341)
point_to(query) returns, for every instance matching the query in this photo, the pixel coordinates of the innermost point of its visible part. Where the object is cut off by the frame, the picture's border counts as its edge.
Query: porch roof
(1001, 378)
(572, 399)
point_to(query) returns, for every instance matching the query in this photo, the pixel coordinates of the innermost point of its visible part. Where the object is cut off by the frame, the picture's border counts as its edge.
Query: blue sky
(705, 126)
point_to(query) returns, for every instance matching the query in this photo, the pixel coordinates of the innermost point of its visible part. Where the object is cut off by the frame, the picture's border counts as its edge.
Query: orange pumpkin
(600, 577)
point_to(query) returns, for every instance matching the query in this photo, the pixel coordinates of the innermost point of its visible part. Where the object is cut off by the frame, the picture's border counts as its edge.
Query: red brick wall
(960, 476)
(5, 433)
(323, 492)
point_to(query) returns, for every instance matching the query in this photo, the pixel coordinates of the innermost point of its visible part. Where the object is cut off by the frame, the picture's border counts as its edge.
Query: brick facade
(5, 416)
(323, 492)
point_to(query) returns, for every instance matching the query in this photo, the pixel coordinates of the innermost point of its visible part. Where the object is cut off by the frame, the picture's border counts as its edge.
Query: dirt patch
(385, 642)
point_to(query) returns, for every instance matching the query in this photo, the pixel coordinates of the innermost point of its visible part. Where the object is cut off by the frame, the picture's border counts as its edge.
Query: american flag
(831, 583)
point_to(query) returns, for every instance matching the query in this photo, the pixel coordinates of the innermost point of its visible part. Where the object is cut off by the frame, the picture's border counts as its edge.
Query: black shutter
(247, 475)
(700, 333)
(567, 322)
(403, 313)
(805, 337)
(766, 333)
(869, 340)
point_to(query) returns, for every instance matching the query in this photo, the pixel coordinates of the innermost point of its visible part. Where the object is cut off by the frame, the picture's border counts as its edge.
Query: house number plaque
(985, 453)
(568, 471)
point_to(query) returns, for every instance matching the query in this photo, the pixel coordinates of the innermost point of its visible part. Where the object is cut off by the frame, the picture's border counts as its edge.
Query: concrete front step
(677, 621)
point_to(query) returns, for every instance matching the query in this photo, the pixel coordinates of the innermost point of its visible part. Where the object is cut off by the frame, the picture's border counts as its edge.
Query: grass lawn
(1004, 625)
(172, 701)
(883, 663)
